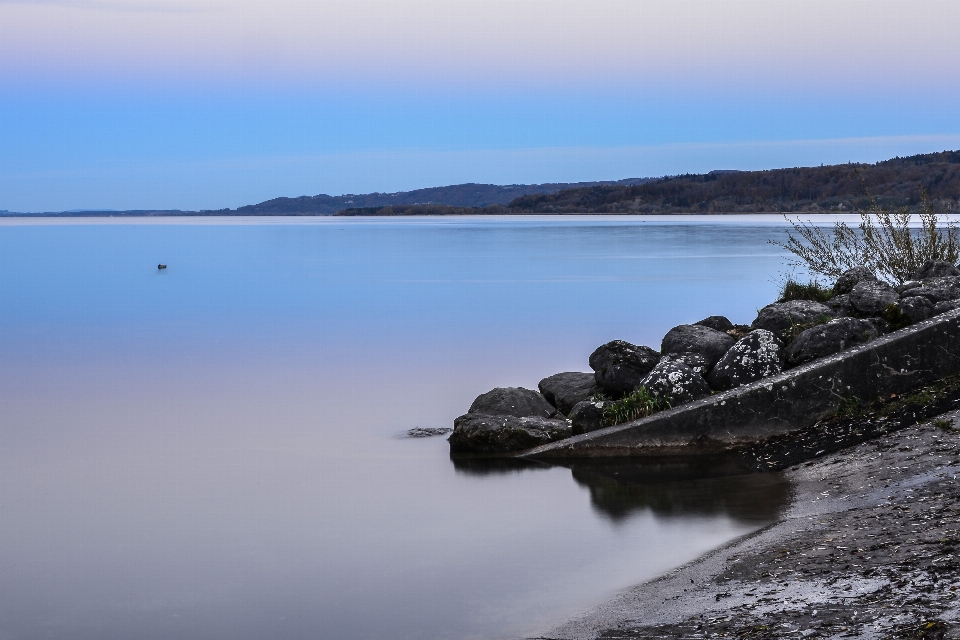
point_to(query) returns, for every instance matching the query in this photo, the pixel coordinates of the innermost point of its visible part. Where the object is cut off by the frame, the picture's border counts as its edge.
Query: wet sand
(868, 548)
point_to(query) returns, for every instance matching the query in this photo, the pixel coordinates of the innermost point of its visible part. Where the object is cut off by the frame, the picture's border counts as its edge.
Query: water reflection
(487, 466)
(668, 487)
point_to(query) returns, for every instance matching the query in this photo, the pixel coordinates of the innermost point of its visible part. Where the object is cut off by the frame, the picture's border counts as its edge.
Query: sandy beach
(866, 549)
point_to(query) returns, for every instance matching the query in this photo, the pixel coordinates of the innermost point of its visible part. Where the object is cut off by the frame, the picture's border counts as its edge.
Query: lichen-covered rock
(695, 338)
(872, 297)
(907, 286)
(826, 339)
(587, 416)
(564, 390)
(850, 278)
(934, 289)
(779, 317)
(916, 308)
(946, 305)
(675, 382)
(840, 305)
(935, 269)
(720, 323)
(695, 361)
(512, 401)
(479, 433)
(620, 366)
(754, 356)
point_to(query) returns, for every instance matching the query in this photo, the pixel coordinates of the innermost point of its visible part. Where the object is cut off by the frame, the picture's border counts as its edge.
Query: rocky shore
(716, 359)
(853, 397)
(870, 547)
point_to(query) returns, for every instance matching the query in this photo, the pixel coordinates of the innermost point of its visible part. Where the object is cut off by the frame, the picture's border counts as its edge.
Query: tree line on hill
(470, 196)
(826, 189)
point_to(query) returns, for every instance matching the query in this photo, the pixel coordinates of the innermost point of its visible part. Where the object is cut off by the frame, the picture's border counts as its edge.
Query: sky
(206, 104)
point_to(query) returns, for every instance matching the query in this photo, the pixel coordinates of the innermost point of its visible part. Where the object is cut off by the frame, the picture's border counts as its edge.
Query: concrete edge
(577, 445)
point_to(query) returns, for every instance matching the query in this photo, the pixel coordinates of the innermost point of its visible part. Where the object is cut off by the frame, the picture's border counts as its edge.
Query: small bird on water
(161, 266)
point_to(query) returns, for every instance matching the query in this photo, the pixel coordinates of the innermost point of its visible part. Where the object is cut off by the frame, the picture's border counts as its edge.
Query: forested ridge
(827, 189)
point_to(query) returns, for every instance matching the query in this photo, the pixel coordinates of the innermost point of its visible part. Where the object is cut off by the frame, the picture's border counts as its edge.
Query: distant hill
(458, 195)
(468, 195)
(825, 189)
(895, 182)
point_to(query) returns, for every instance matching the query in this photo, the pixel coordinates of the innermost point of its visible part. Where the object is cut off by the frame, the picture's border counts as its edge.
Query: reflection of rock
(495, 466)
(697, 487)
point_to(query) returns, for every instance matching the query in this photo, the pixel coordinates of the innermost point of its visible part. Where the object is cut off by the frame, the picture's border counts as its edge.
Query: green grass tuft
(634, 406)
(813, 290)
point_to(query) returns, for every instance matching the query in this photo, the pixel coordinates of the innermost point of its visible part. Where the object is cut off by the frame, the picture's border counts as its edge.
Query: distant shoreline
(479, 214)
(910, 183)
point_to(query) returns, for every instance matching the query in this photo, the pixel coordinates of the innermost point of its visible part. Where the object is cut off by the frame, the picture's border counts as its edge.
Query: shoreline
(866, 548)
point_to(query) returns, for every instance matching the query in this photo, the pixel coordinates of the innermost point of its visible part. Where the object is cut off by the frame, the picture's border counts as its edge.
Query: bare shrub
(882, 242)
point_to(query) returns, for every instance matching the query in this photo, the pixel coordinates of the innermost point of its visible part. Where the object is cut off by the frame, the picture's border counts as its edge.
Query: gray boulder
(512, 401)
(564, 390)
(850, 278)
(916, 308)
(872, 297)
(946, 305)
(479, 433)
(829, 338)
(695, 338)
(720, 323)
(934, 289)
(779, 317)
(840, 305)
(620, 366)
(935, 269)
(586, 416)
(675, 382)
(695, 361)
(907, 286)
(754, 356)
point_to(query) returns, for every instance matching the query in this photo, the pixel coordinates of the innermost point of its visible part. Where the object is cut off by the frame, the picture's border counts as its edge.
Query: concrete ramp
(895, 363)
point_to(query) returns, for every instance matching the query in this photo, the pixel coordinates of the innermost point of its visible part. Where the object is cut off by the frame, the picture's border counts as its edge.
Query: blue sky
(218, 103)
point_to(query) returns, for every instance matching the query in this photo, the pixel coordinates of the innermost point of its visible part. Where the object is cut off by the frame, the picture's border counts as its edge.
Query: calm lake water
(215, 451)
